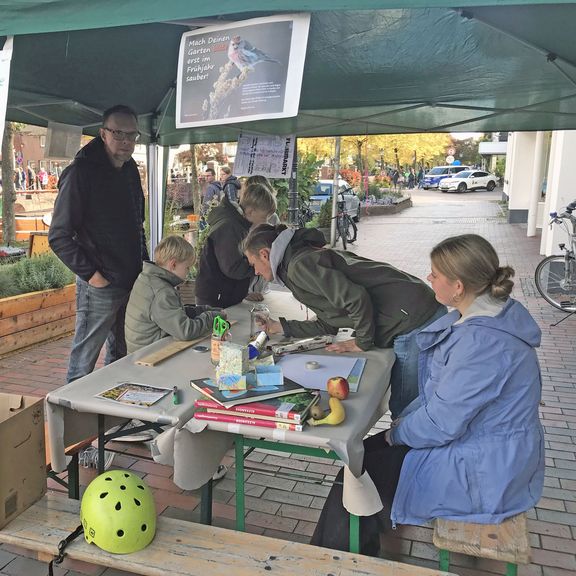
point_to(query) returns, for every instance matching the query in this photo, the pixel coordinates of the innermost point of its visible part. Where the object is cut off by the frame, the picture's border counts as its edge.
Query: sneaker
(220, 472)
(88, 458)
(140, 437)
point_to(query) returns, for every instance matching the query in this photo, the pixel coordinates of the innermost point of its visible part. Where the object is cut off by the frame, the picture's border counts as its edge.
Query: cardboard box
(22, 454)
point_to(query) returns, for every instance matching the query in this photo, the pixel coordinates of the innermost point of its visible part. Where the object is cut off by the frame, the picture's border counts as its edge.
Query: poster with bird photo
(243, 71)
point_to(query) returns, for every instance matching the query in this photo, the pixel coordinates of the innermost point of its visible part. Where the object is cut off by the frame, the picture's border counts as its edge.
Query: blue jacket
(478, 446)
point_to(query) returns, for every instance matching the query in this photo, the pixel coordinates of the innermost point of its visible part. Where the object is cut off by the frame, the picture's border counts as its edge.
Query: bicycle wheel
(352, 230)
(556, 284)
(342, 229)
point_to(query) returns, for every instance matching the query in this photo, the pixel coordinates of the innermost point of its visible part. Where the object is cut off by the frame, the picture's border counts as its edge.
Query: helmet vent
(126, 475)
(103, 495)
(122, 487)
(144, 527)
(120, 533)
(137, 502)
(140, 486)
(118, 506)
(108, 479)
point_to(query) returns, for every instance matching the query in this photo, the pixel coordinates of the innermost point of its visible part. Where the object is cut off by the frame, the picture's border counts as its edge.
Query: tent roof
(424, 66)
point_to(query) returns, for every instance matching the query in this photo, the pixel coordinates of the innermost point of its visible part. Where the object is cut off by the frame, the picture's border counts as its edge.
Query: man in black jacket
(97, 231)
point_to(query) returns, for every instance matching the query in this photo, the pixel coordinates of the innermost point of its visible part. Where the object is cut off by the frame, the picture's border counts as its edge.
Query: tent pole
(337, 144)
(157, 162)
(293, 188)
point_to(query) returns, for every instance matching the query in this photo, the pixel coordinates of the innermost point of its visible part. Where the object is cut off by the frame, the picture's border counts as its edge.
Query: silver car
(323, 193)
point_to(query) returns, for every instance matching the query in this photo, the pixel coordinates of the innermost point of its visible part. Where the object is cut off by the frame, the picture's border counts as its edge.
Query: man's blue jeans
(404, 377)
(100, 314)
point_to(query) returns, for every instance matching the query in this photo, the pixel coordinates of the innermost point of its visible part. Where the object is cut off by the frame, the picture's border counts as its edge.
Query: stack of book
(283, 409)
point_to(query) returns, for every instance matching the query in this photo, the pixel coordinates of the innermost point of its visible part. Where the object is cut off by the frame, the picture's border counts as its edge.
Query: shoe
(88, 458)
(139, 437)
(220, 472)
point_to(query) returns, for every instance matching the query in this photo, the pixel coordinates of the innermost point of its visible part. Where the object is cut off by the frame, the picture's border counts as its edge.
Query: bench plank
(187, 549)
(507, 541)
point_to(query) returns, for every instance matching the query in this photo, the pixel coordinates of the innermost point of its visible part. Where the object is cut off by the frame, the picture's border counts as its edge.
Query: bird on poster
(244, 55)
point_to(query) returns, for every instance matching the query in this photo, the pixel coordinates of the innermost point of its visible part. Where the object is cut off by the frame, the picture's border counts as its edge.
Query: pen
(175, 396)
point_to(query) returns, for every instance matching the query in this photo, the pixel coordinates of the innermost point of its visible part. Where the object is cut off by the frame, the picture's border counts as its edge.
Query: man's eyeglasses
(120, 135)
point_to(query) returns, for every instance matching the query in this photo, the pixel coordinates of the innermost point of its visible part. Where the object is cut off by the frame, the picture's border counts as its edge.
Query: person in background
(155, 309)
(385, 306)
(213, 193)
(31, 174)
(42, 178)
(471, 447)
(230, 184)
(97, 230)
(224, 274)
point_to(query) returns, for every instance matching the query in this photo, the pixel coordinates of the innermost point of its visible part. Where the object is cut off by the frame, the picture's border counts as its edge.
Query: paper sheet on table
(294, 367)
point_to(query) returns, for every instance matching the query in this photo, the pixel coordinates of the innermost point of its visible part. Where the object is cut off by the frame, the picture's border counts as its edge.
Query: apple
(337, 387)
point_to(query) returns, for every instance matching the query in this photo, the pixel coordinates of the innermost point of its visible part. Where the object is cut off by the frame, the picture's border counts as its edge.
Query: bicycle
(305, 214)
(346, 228)
(555, 276)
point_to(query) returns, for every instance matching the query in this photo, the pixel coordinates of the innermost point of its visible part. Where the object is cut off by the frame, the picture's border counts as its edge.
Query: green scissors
(220, 326)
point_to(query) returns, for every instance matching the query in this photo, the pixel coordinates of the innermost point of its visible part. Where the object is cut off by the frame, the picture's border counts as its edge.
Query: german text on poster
(269, 156)
(249, 70)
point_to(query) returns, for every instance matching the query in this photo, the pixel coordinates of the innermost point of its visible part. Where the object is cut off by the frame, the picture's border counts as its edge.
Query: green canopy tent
(385, 67)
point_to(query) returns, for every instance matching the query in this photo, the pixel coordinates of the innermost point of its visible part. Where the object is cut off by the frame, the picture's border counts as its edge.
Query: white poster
(250, 70)
(5, 57)
(269, 156)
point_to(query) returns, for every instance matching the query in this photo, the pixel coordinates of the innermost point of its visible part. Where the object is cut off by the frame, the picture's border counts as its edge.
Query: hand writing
(344, 346)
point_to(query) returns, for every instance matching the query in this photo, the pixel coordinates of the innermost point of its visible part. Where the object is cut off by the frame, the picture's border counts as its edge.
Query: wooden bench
(189, 549)
(507, 542)
(73, 483)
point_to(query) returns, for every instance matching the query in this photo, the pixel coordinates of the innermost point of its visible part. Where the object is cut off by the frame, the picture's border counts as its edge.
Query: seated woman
(385, 306)
(471, 447)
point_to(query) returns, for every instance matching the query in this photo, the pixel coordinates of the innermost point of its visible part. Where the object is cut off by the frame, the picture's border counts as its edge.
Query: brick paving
(285, 494)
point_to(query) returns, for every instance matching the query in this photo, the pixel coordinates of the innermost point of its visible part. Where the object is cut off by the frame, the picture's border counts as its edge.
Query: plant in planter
(325, 219)
(43, 272)
(37, 301)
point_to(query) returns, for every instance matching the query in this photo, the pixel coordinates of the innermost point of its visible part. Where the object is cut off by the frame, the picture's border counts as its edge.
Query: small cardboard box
(22, 454)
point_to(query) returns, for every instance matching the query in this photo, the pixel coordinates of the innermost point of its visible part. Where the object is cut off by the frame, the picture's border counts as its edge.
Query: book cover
(253, 393)
(247, 421)
(134, 394)
(293, 408)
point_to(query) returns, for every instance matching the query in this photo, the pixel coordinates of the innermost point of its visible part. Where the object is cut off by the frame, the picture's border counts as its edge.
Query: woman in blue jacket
(471, 446)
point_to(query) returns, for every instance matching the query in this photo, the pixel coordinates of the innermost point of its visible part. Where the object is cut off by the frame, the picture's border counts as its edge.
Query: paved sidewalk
(287, 504)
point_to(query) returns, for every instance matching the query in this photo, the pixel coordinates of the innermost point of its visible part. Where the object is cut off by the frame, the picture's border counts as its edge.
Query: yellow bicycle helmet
(118, 512)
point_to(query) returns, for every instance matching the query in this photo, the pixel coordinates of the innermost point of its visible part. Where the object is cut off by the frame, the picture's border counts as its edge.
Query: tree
(8, 192)
(467, 151)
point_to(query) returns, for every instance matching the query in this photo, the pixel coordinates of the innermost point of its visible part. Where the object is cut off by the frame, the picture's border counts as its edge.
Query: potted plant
(325, 219)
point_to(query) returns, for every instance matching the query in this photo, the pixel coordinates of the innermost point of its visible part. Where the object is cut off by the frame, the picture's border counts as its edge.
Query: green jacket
(377, 300)
(155, 310)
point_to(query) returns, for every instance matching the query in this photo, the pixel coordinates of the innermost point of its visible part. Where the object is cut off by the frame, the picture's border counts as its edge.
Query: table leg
(101, 443)
(240, 504)
(206, 503)
(354, 533)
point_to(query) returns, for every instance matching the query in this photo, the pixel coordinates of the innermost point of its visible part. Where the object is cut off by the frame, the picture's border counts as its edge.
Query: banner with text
(269, 156)
(250, 70)
(5, 57)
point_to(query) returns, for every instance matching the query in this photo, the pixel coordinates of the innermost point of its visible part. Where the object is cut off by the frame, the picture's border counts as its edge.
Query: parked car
(433, 177)
(323, 193)
(469, 180)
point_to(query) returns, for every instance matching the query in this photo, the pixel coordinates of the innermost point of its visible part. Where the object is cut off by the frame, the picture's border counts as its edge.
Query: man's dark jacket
(232, 188)
(98, 218)
(224, 273)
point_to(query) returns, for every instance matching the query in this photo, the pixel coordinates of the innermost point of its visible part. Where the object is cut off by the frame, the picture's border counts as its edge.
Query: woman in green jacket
(385, 306)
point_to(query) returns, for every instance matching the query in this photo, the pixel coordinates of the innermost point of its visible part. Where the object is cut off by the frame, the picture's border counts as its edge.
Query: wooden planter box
(30, 318)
